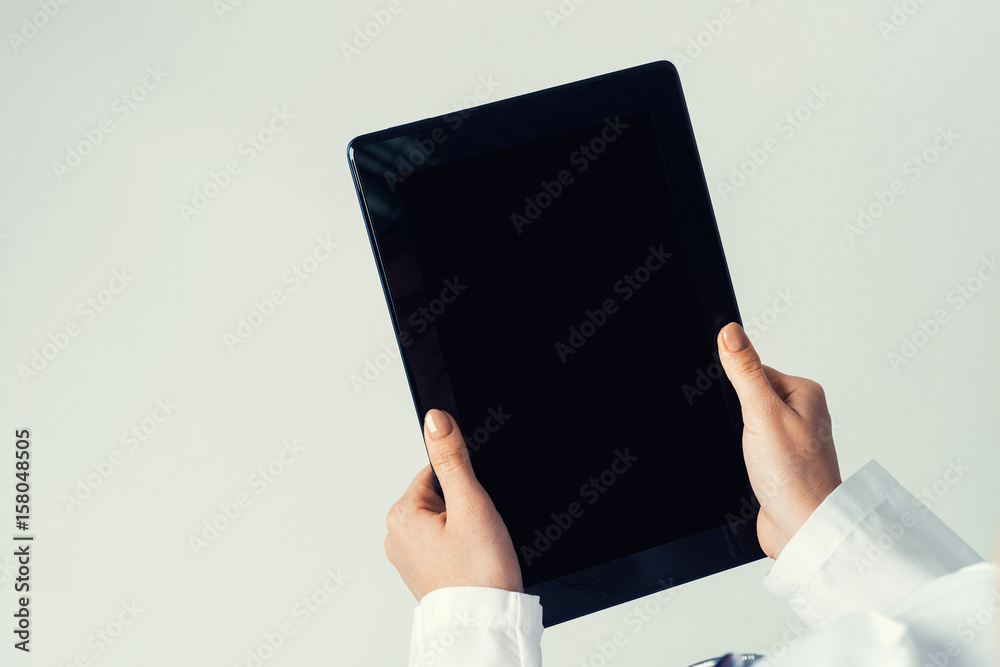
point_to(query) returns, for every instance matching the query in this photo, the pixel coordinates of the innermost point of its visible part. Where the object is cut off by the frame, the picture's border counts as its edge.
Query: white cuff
(466, 625)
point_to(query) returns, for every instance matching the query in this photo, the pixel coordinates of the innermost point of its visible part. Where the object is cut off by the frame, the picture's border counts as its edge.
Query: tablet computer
(556, 282)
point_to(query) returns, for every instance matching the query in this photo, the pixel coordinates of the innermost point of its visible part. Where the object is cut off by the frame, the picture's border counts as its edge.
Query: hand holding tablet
(788, 442)
(467, 546)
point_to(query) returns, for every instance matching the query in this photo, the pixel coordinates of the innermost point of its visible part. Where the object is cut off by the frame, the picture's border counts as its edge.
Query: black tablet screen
(562, 298)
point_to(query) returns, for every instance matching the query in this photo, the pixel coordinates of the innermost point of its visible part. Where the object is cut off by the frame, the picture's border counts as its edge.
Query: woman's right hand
(787, 440)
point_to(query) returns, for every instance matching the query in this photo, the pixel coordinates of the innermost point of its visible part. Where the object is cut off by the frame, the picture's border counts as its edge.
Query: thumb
(744, 370)
(450, 458)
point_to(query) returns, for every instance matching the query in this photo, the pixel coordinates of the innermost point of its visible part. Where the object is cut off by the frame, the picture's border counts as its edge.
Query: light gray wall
(161, 336)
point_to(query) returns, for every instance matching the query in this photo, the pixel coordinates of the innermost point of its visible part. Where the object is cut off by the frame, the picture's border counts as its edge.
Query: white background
(162, 336)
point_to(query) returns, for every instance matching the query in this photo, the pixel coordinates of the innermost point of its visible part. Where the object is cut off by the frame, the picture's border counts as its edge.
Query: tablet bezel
(654, 88)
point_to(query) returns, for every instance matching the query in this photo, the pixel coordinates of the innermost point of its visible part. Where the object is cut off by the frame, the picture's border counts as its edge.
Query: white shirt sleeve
(868, 545)
(464, 626)
(950, 622)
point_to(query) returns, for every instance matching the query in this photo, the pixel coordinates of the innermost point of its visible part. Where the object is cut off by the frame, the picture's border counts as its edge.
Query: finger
(804, 396)
(416, 497)
(424, 479)
(782, 383)
(450, 459)
(422, 494)
(744, 370)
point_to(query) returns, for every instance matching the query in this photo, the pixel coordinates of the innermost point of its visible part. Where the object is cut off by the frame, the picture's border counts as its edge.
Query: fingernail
(735, 338)
(438, 424)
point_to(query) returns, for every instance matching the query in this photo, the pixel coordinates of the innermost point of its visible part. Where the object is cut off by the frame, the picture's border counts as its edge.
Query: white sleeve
(868, 545)
(950, 622)
(476, 627)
